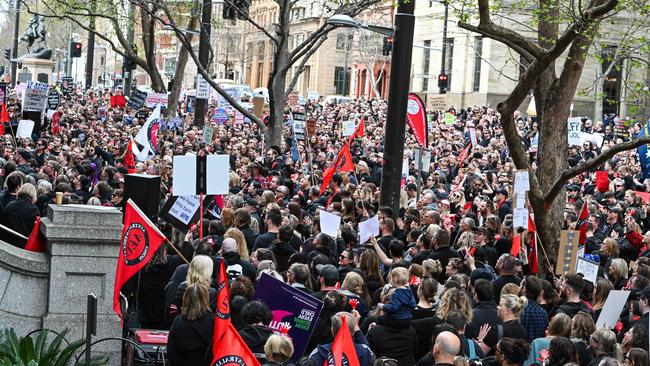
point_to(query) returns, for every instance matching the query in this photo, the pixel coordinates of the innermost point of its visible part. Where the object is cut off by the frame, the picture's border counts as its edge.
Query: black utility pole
(443, 74)
(14, 49)
(204, 58)
(90, 50)
(400, 74)
(127, 75)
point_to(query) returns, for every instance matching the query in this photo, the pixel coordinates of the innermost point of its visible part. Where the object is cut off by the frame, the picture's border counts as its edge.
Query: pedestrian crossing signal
(75, 49)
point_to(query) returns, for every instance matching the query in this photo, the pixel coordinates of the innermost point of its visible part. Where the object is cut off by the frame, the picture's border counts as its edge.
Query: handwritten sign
(348, 128)
(34, 96)
(522, 181)
(329, 223)
(368, 229)
(574, 131)
(436, 102)
(202, 88)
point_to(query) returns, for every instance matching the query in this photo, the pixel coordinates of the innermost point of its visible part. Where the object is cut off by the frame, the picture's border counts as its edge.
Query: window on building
(341, 80)
(611, 81)
(449, 60)
(343, 41)
(478, 53)
(426, 63)
(170, 65)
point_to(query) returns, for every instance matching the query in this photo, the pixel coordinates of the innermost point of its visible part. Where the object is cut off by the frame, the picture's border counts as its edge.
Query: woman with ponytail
(603, 344)
(509, 310)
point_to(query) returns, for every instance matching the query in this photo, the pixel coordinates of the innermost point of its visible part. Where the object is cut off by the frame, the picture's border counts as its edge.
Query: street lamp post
(204, 58)
(14, 49)
(443, 90)
(400, 72)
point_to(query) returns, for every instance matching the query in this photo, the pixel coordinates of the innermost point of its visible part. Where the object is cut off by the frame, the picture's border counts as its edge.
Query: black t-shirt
(511, 329)
(265, 240)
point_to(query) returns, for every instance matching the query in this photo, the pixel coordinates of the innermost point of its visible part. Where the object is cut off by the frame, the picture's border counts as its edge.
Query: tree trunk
(277, 102)
(179, 73)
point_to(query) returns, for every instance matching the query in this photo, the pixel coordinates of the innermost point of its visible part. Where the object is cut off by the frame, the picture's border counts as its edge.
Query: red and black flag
(343, 163)
(141, 239)
(343, 350)
(582, 223)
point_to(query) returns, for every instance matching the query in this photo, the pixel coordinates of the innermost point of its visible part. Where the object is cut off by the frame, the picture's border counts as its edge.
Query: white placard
(202, 88)
(184, 175)
(329, 223)
(154, 99)
(520, 200)
(34, 96)
(595, 138)
(472, 137)
(368, 229)
(217, 169)
(184, 208)
(426, 160)
(574, 131)
(520, 217)
(612, 309)
(25, 128)
(522, 182)
(313, 95)
(348, 128)
(588, 269)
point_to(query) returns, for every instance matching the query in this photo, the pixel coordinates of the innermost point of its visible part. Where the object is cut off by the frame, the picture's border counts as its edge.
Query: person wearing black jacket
(20, 215)
(443, 252)
(484, 310)
(282, 249)
(234, 261)
(190, 337)
(243, 221)
(256, 316)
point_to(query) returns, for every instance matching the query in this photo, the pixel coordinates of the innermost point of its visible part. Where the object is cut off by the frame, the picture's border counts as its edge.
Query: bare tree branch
(253, 22)
(301, 66)
(591, 164)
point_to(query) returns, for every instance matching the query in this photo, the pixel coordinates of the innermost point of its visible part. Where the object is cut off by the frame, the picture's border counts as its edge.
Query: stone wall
(49, 290)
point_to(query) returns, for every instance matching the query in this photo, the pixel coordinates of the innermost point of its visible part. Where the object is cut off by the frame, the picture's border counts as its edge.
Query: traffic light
(75, 49)
(8, 54)
(236, 9)
(443, 83)
(388, 46)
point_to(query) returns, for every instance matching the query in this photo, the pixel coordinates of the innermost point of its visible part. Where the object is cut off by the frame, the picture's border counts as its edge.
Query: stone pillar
(83, 242)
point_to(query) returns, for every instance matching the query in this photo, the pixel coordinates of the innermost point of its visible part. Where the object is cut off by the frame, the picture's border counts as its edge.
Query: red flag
(582, 223)
(602, 181)
(343, 348)
(516, 245)
(140, 241)
(129, 158)
(36, 241)
(227, 345)
(417, 118)
(56, 118)
(4, 118)
(222, 314)
(343, 163)
(532, 253)
(118, 101)
(229, 349)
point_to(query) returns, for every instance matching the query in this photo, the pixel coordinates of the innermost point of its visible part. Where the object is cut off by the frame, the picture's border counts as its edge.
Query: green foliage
(25, 351)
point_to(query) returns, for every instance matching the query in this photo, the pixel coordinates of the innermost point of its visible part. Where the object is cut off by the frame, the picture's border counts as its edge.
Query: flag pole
(176, 250)
(538, 240)
(201, 217)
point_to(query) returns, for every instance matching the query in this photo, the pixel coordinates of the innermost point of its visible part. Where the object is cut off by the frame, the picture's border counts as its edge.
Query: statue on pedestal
(36, 32)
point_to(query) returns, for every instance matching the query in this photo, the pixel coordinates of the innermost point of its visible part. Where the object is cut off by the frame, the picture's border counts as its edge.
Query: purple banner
(291, 308)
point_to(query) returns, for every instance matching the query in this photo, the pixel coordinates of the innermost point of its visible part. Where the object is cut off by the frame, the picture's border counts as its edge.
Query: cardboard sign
(221, 116)
(612, 309)
(202, 88)
(329, 223)
(68, 84)
(299, 130)
(449, 119)
(522, 181)
(368, 229)
(574, 131)
(182, 211)
(588, 269)
(212, 171)
(25, 128)
(568, 252)
(291, 308)
(137, 99)
(34, 96)
(155, 99)
(436, 102)
(348, 128)
(208, 131)
(53, 100)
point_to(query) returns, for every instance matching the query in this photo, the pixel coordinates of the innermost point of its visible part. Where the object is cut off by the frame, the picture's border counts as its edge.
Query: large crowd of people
(438, 286)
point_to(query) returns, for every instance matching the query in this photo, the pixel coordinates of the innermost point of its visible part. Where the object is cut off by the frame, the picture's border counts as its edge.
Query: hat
(501, 191)
(25, 154)
(573, 188)
(328, 272)
(614, 209)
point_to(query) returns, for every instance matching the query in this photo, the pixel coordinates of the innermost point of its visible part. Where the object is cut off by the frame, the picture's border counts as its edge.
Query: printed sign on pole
(155, 99)
(53, 99)
(194, 175)
(202, 88)
(34, 96)
(137, 99)
(574, 131)
(348, 128)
